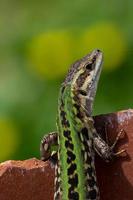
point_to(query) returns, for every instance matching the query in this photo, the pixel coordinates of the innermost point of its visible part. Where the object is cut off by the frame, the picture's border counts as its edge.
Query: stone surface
(34, 180)
(26, 180)
(116, 178)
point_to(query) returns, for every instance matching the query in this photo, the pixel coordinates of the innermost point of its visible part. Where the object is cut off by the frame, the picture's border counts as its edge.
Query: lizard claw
(120, 135)
(118, 138)
(122, 152)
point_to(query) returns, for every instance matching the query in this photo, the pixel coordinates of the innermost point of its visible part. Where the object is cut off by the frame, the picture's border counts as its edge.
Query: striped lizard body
(75, 177)
(76, 171)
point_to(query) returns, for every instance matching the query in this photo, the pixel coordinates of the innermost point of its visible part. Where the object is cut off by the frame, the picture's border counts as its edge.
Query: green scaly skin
(75, 176)
(76, 154)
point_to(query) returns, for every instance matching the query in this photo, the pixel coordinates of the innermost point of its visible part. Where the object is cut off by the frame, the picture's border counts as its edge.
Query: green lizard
(77, 139)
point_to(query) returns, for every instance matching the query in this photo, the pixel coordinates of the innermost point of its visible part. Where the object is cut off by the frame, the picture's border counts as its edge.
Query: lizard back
(75, 170)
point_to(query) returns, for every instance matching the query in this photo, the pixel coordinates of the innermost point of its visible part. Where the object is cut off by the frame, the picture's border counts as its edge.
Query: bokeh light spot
(50, 54)
(110, 39)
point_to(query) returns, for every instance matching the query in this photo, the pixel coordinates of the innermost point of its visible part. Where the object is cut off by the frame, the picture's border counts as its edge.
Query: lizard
(76, 138)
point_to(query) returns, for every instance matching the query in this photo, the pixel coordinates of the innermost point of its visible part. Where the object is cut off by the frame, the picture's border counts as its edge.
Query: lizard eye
(82, 92)
(89, 66)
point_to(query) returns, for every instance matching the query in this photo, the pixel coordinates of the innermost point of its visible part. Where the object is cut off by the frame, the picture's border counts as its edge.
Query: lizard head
(83, 77)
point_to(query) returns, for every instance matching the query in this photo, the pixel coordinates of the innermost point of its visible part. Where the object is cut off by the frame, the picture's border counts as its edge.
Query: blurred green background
(38, 42)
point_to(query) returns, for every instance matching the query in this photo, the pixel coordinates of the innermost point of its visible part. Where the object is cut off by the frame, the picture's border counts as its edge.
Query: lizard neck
(76, 171)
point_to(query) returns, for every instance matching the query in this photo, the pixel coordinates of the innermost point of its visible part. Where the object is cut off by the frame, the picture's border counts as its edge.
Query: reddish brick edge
(33, 179)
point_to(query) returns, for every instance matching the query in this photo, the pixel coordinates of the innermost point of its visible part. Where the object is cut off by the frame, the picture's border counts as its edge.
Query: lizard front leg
(103, 149)
(48, 147)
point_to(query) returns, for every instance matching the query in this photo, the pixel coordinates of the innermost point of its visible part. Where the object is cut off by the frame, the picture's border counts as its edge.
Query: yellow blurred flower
(110, 39)
(8, 139)
(50, 54)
